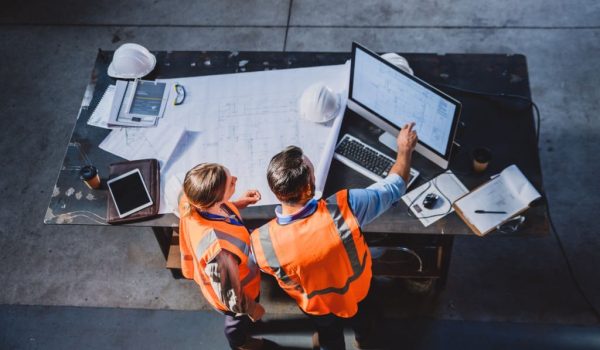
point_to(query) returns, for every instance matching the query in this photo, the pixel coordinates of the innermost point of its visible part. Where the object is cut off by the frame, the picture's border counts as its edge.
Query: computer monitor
(389, 97)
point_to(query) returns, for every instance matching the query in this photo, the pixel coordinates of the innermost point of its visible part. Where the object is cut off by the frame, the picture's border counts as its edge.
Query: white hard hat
(319, 104)
(398, 61)
(131, 61)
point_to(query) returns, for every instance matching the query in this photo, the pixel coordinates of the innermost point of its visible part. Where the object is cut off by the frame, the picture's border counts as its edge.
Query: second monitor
(389, 97)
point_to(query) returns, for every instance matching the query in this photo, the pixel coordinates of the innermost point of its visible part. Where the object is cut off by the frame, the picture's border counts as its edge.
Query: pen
(479, 211)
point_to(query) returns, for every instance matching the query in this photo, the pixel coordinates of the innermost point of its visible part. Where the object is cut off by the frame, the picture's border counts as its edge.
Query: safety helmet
(319, 103)
(131, 61)
(398, 61)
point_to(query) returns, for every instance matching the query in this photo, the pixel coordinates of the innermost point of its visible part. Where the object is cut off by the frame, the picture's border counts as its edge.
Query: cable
(593, 309)
(432, 181)
(570, 268)
(501, 94)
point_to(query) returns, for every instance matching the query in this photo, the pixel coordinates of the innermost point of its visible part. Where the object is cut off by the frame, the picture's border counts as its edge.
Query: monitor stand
(389, 141)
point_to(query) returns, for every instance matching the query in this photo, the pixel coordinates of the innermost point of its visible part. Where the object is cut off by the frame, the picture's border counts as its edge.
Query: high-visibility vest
(200, 240)
(322, 261)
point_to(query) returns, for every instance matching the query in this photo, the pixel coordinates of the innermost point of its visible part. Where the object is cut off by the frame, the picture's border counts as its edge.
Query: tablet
(129, 193)
(148, 99)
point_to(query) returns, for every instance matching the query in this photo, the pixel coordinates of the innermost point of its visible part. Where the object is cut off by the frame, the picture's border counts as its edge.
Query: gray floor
(52, 327)
(47, 52)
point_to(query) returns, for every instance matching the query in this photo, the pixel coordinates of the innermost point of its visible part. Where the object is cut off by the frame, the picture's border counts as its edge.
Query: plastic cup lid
(88, 172)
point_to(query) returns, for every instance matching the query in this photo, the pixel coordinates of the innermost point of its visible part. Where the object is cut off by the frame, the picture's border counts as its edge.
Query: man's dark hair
(289, 176)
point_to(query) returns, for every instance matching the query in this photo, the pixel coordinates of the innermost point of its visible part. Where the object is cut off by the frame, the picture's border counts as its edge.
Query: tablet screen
(148, 98)
(129, 193)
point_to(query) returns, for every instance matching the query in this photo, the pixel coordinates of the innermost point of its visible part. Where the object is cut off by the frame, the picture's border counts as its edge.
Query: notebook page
(519, 185)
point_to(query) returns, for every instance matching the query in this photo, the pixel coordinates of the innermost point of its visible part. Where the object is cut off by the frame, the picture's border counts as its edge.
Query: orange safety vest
(202, 239)
(322, 261)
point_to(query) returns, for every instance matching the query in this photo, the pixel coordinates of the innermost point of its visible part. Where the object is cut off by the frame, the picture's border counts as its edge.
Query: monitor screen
(398, 98)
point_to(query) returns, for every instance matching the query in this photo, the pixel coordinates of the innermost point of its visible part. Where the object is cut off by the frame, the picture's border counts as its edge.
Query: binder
(150, 170)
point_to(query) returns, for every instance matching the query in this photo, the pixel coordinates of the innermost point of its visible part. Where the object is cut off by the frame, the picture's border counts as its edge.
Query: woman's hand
(250, 197)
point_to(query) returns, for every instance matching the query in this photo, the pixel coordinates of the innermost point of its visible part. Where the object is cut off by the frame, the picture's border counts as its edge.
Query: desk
(506, 126)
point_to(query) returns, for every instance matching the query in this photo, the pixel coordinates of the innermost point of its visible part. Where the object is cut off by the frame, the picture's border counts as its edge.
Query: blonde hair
(204, 185)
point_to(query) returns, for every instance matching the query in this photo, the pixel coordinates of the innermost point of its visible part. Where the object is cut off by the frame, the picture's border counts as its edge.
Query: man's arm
(367, 204)
(406, 142)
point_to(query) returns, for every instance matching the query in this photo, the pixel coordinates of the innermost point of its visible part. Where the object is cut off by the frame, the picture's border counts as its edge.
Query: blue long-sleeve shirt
(366, 203)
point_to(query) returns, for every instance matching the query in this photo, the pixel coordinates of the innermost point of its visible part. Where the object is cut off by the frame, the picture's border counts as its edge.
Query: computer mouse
(430, 200)
(319, 103)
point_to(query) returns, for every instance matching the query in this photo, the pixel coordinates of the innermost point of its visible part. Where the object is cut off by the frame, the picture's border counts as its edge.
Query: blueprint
(241, 121)
(140, 143)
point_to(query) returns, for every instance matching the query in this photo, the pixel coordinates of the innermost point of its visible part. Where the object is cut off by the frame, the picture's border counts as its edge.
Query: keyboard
(366, 160)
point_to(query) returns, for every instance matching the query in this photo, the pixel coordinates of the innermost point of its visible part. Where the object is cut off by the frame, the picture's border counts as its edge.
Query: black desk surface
(504, 125)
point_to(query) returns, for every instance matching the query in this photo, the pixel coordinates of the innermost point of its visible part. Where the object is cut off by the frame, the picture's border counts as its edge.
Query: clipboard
(140, 103)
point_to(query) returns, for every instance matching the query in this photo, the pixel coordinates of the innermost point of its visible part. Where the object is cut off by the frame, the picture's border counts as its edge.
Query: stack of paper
(101, 114)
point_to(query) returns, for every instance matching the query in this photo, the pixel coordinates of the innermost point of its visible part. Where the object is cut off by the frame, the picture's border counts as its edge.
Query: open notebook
(498, 200)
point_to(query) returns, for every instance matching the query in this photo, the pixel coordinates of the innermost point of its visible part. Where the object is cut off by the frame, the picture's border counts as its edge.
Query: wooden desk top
(506, 126)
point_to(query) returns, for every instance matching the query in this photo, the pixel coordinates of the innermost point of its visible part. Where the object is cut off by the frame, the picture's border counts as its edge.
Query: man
(315, 249)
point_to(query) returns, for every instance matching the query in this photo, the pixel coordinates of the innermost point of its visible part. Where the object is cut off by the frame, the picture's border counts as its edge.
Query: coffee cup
(481, 158)
(89, 175)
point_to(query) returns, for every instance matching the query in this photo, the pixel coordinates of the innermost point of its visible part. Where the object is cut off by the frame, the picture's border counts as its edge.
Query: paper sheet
(447, 186)
(242, 120)
(101, 114)
(140, 143)
(509, 192)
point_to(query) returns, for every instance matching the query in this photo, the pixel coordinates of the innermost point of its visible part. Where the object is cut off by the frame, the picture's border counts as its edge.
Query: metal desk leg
(444, 260)
(163, 237)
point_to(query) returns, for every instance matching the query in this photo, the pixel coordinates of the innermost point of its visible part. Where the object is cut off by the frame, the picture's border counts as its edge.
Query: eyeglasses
(511, 226)
(180, 91)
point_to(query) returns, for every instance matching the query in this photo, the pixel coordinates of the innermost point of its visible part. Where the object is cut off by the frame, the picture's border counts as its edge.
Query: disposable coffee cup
(89, 175)
(481, 158)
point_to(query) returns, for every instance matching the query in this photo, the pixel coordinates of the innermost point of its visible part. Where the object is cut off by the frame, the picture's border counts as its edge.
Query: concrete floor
(47, 52)
(52, 327)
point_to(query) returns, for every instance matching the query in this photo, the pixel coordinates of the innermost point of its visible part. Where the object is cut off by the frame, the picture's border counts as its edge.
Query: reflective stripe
(345, 234)
(348, 242)
(272, 261)
(205, 243)
(212, 236)
(240, 244)
(344, 289)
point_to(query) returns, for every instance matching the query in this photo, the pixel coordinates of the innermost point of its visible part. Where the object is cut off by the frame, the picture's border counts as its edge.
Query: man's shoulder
(333, 199)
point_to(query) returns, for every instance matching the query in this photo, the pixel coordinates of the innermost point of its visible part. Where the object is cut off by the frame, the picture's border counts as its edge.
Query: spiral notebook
(101, 114)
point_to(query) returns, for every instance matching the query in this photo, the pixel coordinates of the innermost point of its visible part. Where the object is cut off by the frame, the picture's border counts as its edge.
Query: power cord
(595, 312)
(432, 181)
(503, 95)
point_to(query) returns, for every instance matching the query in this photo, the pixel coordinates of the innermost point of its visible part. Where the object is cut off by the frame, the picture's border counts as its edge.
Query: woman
(215, 249)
